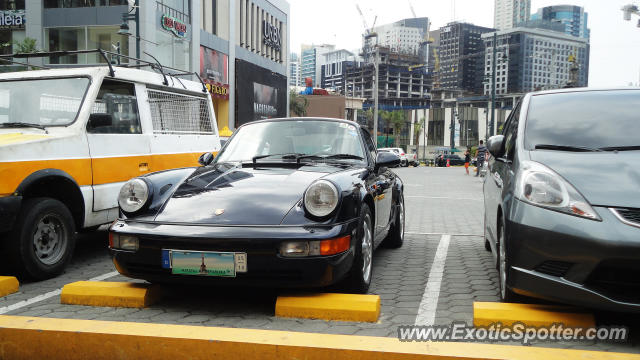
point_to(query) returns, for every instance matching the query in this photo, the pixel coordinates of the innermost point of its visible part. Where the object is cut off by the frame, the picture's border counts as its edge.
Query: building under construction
(404, 82)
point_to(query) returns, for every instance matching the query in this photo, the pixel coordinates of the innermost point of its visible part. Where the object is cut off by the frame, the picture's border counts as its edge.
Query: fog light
(294, 248)
(123, 242)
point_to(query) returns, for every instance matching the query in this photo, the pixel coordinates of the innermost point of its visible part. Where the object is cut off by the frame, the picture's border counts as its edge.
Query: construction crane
(368, 34)
(412, 10)
(364, 21)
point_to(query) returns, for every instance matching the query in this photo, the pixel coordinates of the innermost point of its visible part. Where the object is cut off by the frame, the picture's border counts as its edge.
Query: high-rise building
(294, 70)
(572, 17)
(403, 36)
(335, 64)
(534, 59)
(509, 13)
(311, 62)
(461, 53)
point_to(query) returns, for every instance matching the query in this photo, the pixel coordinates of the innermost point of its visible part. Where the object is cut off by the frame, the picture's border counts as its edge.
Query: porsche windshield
(41, 102)
(296, 137)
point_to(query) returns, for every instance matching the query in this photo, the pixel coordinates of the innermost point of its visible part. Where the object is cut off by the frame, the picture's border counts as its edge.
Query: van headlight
(321, 198)
(541, 186)
(133, 195)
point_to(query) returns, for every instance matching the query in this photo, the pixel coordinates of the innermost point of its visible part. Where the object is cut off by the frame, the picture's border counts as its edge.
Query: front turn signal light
(335, 246)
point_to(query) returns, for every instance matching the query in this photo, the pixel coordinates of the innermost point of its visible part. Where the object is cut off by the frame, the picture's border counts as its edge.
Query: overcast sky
(615, 43)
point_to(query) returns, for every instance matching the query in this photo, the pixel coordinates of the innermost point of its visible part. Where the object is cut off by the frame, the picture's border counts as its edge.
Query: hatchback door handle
(497, 179)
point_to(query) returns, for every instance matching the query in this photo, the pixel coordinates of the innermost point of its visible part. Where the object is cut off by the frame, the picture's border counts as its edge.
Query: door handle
(144, 167)
(498, 180)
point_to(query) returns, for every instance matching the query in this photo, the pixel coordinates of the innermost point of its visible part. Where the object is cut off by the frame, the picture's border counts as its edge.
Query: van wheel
(41, 244)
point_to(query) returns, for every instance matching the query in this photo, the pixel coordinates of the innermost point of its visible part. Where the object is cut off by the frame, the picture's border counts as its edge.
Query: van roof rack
(156, 66)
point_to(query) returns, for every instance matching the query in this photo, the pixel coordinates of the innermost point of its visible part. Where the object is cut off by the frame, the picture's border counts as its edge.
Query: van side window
(511, 133)
(115, 110)
(175, 113)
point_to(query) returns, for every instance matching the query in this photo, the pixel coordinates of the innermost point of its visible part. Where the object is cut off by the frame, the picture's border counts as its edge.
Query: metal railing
(167, 10)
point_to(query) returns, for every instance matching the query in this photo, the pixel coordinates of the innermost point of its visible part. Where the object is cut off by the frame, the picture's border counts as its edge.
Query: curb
(111, 294)
(343, 307)
(49, 338)
(8, 285)
(487, 313)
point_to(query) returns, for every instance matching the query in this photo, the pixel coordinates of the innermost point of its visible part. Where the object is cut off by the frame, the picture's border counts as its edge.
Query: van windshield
(41, 102)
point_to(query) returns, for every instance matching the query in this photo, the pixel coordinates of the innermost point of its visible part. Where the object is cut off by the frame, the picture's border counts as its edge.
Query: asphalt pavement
(432, 280)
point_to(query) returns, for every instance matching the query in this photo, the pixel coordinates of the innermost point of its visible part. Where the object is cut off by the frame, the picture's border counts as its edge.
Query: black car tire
(357, 280)
(506, 295)
(395, 238)
(51, 221)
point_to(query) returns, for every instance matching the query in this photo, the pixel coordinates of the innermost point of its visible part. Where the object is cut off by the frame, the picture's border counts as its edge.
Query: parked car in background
(287, 202)
(69, 140)
(412, 159)
(559, 228)
(454, 159)
(400, 152)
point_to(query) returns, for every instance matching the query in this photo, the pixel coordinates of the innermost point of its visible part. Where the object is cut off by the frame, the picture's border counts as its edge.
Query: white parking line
(50, 294)
(429, 303)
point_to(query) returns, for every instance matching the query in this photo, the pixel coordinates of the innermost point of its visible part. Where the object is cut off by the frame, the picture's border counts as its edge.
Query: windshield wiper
(334, 156)
(22, 124)
(621, 148)
(284, 156)
(566, 148)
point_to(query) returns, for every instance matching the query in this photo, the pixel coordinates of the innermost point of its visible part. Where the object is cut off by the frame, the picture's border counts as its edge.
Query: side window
(115, 110)
(511, 133)
(369, 143)
(176, 113)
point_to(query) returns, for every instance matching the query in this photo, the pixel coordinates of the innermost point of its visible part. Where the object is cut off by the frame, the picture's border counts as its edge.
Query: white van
(69, 139)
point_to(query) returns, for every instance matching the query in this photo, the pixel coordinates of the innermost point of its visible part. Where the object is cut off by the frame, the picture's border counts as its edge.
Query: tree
(417, 128)
(398, 119)
(368, 114)
(298, 104)
(386, 117)
(26, 46)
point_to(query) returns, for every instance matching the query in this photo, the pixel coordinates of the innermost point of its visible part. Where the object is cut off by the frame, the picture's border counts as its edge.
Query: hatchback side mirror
(387, 159)
(205, 159)
(494, 145)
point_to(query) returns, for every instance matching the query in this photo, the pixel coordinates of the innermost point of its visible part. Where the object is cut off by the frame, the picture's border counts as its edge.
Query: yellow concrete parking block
(112, 294)
(49, 338)
(8, 285)
(345, 307)
(487, 313)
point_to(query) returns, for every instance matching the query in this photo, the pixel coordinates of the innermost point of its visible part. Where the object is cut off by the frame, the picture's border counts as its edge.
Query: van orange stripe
(107, 170)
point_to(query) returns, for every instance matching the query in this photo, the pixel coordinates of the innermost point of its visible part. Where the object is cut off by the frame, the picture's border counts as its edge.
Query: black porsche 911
(287, 202)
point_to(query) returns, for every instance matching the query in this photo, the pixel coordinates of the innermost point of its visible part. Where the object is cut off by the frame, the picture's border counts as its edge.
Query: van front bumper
(9, 208)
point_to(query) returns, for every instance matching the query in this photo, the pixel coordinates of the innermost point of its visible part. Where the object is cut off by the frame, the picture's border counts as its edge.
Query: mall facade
(240, 48)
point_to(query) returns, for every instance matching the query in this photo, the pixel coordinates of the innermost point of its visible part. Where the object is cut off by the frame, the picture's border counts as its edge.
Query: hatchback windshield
(589, 119)
(302, 137)
(43, 102)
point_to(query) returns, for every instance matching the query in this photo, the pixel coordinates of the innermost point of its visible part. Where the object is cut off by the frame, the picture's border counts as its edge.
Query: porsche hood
(225, 194)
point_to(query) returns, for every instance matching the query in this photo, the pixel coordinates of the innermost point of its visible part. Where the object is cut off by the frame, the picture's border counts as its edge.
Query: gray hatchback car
(562, 199)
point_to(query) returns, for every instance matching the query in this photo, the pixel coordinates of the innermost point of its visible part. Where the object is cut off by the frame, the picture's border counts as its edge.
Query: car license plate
(204, 263)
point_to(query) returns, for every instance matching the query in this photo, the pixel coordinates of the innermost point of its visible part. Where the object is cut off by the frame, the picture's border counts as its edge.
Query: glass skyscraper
(573, 17)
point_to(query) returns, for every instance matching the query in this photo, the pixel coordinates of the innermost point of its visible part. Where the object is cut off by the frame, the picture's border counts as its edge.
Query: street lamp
(124, 27)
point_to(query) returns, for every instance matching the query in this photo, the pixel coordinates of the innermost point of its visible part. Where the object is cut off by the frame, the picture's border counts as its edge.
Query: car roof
(582, 90)
(304, 119)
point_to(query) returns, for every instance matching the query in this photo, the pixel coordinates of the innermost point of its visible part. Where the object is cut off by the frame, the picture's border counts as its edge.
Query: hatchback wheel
(506, 295)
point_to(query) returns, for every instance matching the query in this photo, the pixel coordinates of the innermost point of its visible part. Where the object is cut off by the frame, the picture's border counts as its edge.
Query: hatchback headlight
(133, 195)
(541, 186)
(321, 198)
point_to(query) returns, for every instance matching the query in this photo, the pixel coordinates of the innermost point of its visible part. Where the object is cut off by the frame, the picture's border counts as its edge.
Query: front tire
(506, 295)
(358, 279)
(42, 242)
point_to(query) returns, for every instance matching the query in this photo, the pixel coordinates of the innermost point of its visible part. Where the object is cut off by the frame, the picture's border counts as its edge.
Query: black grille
(554, 268)
(631, 215)
(617, 279)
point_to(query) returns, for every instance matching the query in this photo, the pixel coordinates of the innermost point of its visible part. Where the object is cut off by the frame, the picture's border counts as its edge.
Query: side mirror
(387, 159)
(494, 145)
(205, 159)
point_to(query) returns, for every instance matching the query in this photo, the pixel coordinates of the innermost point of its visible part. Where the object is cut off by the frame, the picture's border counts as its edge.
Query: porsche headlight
(541, 186)
(321, 198)
(134, 194)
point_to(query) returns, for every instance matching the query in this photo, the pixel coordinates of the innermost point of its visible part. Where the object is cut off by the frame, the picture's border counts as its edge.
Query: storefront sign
(174, 25)
(12, 19)
(213, 71)
(271, 35)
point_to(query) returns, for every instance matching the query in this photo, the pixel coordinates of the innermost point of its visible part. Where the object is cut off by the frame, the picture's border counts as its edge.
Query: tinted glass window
(594, 119)
(511, 133)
